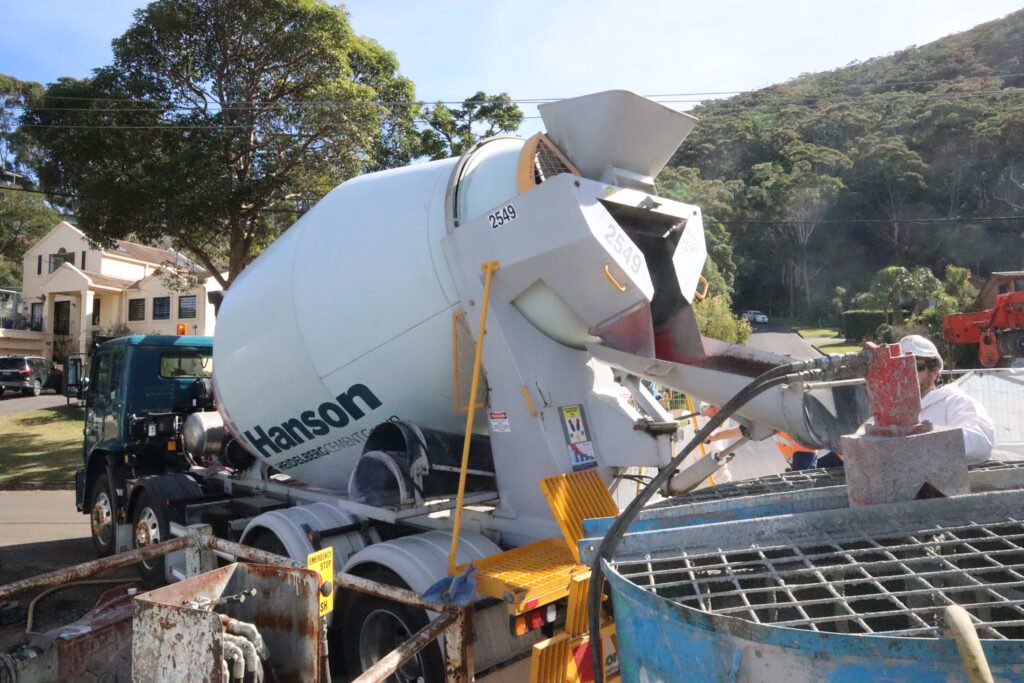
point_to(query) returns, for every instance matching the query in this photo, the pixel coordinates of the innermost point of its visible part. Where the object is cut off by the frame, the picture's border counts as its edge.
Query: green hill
(914, 159)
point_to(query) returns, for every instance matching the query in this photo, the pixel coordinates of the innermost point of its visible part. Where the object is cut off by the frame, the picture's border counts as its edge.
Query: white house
(72, 291)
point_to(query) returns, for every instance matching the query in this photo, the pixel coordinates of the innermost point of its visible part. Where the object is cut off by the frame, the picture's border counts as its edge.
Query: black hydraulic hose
(606, 549)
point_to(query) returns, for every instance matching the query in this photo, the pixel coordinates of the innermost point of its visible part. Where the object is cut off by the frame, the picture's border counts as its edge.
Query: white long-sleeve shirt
(949, 406)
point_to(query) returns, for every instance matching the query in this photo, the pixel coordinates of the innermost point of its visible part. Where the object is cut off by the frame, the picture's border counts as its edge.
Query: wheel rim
(147, 530)
(382, 632)
(37, 388)
(101, 518)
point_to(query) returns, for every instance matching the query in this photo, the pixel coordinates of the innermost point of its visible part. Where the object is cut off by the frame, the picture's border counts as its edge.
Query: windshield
(186, 364)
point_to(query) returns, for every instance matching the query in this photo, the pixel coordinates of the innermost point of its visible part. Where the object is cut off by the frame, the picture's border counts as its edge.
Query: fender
(103, 457)
(292, 526)
(421, 560)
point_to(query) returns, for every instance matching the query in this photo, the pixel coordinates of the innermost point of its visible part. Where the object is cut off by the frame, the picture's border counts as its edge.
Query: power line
(804, 101)
(846, 221)
(975, 219)
(242, 105)
(79, 197)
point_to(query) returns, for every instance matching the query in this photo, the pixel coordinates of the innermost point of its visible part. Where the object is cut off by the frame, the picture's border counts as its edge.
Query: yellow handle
(488, 269)
(700, 296)
(611, 279)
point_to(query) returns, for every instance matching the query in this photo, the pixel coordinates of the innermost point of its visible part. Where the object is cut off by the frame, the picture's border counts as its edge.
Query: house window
(83, 260)
(187, 306)
(36, 321)
(136, 310)
(60, 258)
(96, 311)
(161, 308)
(39, 265)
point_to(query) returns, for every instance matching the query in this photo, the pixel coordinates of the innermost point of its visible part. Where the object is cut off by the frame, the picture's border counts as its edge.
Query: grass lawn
(839, 347)
(41, 445)
(816, 332)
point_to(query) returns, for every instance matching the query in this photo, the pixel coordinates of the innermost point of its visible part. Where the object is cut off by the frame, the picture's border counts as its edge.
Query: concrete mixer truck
(523, 284)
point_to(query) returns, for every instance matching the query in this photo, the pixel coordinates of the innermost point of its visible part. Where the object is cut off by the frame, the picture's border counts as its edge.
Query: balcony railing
(21, 322)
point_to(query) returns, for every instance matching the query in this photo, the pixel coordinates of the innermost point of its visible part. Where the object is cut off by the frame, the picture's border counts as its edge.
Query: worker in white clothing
(948, 405)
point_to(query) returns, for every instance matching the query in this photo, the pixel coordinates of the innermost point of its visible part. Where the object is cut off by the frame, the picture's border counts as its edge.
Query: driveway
(782, 340)
(12, 402)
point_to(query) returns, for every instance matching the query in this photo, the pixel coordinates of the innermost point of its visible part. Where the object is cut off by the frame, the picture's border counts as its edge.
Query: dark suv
(31, 374)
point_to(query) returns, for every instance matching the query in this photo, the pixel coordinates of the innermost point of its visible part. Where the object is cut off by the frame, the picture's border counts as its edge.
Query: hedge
(860, 325)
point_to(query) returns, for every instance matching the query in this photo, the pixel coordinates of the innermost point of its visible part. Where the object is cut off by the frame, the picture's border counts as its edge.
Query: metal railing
(454, 621)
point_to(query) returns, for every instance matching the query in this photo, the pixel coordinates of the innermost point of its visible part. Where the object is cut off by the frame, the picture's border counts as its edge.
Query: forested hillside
(915, 159)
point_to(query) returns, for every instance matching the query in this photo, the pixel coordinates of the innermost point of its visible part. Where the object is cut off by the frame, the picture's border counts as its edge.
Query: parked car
(756, 317)
(30, 374)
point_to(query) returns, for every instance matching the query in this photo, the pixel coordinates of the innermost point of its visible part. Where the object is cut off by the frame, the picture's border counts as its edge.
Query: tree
(24, 219)
(24, 215)
(890, 176)
(15, 152)
(895, 287)
(955, 294)
(216, 121)
(451, 131)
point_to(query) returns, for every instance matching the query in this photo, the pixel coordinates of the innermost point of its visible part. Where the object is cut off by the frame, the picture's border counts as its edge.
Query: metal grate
(547, 163)
(853, 582)
(799, 480)
(776, 483)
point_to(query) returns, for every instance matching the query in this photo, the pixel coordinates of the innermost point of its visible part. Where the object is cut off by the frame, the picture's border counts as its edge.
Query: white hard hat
(920, 347)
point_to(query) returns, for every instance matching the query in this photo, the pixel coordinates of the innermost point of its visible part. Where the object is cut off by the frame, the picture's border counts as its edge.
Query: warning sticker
(499, 422)
(580, 447)
(322, 562)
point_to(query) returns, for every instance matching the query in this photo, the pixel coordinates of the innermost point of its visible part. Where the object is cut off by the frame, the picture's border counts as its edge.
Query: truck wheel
(34, 390)
(149, 526)
(101, 517)
(373, 627)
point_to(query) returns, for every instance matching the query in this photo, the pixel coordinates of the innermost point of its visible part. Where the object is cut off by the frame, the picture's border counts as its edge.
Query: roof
(162, 340)
(141, 252)
(108, 280)
(1009, 273)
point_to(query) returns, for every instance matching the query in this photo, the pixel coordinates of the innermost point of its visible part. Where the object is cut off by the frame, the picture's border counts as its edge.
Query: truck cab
(139, 391)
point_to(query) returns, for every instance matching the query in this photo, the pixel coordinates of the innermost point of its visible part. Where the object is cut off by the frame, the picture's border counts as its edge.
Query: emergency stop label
(322, 562)
(577, 437)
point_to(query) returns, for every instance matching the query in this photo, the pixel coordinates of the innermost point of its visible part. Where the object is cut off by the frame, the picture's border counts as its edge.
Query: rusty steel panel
(173, 643)
(177, 640)
(98, 646)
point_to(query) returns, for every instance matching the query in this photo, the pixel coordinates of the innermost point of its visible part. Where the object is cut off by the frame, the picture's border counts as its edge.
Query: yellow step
(532, 575)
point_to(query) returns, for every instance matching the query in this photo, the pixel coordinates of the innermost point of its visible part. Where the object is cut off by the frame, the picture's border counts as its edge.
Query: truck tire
(150, 525)
(373, 627)
(34, 390)
(151, 519)
(101, 517)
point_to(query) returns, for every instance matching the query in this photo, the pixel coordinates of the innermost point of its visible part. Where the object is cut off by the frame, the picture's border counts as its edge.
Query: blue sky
(553, 49)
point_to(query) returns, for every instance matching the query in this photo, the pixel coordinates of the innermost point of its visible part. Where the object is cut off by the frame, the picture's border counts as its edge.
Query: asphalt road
(12, 402)
(41, 531)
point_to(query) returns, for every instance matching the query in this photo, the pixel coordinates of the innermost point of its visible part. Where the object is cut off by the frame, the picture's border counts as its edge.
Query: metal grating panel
(575, 497)
(798, 480)
(853, 582)
(547, 163)
(775, 483)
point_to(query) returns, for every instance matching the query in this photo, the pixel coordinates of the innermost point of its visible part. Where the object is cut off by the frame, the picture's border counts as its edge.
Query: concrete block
(881, 469)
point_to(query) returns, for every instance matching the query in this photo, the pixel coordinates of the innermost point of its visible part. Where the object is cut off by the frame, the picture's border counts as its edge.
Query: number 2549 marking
(506, 214)
(622, 246)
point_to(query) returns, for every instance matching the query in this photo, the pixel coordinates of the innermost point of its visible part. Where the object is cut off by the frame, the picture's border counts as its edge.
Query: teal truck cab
(137, 395)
